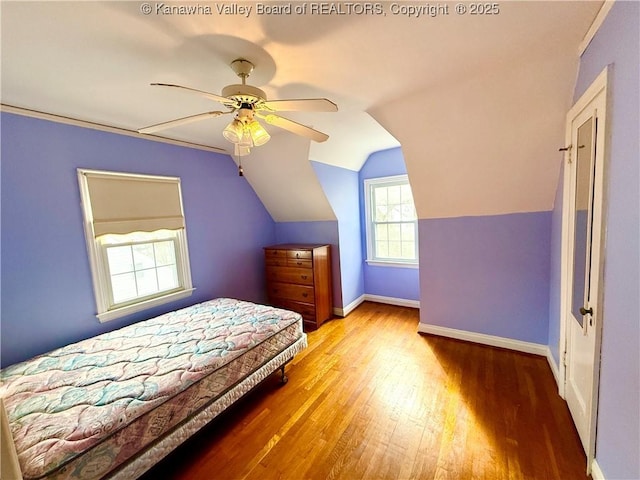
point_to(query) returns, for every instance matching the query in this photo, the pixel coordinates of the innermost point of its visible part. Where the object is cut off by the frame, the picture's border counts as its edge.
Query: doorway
(583, 237)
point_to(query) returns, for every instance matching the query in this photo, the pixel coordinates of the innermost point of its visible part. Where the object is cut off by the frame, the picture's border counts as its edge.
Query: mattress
(83, 410)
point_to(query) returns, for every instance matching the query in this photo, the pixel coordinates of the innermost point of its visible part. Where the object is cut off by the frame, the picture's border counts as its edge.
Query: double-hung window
(392, 223)
(136, 239)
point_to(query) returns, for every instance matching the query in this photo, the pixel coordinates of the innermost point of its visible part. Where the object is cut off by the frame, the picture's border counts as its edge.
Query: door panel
(582, 320)
(580, 342)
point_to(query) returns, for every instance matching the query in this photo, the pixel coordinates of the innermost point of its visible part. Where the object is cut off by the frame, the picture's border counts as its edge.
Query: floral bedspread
(68, 401)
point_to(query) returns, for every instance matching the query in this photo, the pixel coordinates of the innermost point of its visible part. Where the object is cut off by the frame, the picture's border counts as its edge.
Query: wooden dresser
(299, 279)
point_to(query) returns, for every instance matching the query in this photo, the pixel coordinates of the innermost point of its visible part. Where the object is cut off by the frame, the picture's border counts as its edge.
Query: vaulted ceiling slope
(477, 101)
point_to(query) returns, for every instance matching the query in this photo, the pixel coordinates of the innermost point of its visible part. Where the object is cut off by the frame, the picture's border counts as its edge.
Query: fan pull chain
(240, 170)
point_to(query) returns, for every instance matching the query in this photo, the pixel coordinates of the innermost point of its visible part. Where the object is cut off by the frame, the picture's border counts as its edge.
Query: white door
(584, 224)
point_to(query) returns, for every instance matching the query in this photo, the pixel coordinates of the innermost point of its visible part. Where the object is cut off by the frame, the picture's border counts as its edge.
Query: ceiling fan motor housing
(244, 94)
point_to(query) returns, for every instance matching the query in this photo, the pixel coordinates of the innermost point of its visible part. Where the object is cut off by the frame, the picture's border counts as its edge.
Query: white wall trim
(344, 311)
(554, 368)
(595, 26)
(481, 338)
(104, 128)
(401, 302)
(596, 472)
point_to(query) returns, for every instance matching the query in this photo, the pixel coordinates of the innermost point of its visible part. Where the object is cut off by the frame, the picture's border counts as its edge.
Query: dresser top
(296, 246)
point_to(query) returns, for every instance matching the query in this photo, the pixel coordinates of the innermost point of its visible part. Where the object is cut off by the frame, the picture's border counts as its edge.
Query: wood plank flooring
(372, 399)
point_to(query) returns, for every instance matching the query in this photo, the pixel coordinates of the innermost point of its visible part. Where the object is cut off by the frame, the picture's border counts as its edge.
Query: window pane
(381, 214)
(379, 196)
(123, 287)
(393, 193)
(407, 197)
(394, 232)
(408, 231)
(119, 259)
(147, 282)
(382, 250)
(143, 256)
(167, 278)
(408, 250)
(382, 232)
(395, 214)
(165, 253)
(395, 249)
(408, 213)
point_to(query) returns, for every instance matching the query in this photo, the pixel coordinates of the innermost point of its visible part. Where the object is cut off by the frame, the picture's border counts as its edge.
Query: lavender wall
(554, 276)
(325, 232)
(395, 282)
(487, 274)
(47, 295)
(341, 188)
(618, 431)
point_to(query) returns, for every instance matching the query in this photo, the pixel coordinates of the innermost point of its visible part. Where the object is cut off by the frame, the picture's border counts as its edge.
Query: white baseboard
(401, 302)
(344, 311)
(596, 473)
(481, 338)
(554, 367)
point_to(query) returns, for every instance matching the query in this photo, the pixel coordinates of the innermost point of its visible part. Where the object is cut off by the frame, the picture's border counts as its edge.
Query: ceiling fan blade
(210, 96)
(300, 105)
(180, 121)
(295, 127)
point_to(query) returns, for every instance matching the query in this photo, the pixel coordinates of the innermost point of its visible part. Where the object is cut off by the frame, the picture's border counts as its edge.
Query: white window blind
(128, 203)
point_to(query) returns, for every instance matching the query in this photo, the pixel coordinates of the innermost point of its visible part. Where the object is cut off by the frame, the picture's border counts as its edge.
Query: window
(136, 238)
(392, 224)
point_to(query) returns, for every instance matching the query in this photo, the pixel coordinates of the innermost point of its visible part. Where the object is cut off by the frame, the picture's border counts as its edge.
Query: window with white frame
(136, 239)
(392, 222)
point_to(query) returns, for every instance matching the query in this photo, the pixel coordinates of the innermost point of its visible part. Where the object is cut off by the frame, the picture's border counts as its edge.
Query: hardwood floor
(371, 398)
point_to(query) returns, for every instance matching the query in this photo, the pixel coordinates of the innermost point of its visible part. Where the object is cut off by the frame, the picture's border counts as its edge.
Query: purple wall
(47, 294)
(487, 274)
(618, 431)
(316, 232)
(341, 188)
(396, 282)
(554, 281)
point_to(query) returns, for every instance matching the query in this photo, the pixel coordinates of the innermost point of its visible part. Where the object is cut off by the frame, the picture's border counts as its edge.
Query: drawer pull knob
(304, 277)
(299, 263)
(305, 295)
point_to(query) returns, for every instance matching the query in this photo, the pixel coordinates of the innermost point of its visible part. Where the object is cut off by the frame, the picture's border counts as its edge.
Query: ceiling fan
(249, 102)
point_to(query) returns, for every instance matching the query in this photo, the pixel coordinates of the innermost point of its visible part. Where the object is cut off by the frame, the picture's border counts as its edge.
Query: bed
(113, 405)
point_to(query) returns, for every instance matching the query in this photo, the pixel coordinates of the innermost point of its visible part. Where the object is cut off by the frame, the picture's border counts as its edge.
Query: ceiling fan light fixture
(246, 140)
(241, 150)
(234, 131)
(258, 134)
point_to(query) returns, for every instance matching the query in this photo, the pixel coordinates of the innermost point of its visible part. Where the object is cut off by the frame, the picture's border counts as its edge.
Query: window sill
(382, 263)
(137, 307)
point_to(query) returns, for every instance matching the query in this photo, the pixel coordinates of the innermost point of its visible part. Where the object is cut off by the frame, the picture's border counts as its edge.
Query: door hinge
(564, 358)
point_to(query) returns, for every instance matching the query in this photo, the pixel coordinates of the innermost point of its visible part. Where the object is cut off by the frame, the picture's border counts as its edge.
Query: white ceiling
(477, 102)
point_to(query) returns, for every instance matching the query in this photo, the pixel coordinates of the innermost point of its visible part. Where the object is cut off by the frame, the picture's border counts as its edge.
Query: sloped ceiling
(477, 101)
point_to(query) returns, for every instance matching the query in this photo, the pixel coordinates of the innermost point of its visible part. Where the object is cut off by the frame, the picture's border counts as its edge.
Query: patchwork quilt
(80, 411)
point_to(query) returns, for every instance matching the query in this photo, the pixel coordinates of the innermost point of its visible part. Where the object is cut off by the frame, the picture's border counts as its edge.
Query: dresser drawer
(300, 276)
(290, 291)
(273, 256)
(307, 310)
(299, 254)
(299, 263)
